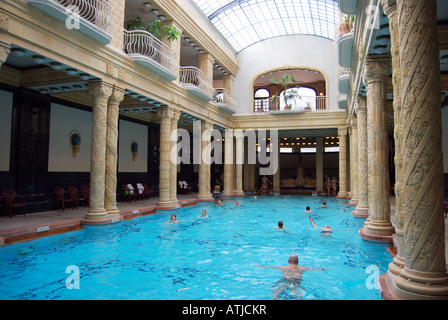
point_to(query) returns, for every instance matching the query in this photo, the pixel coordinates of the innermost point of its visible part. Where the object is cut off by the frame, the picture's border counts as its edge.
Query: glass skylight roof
(244, 22)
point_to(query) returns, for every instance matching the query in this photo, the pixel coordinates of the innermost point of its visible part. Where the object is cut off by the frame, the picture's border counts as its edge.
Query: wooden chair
(75, 196)
(11, 200)
(127, 193)
(147, 192)
(60, 194)
(85, 190)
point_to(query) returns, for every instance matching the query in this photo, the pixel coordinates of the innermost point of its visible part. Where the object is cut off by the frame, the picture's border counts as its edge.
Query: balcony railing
(303, 104)
(197, 82)
(96, 12)
(224, 99)
(149, 51)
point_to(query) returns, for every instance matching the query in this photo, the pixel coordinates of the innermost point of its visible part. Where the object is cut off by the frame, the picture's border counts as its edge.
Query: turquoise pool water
(217, 257)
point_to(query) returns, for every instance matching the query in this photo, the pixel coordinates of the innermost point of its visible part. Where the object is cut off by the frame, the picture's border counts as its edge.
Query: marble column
(173, 170)
(100, 92)
(228, 164)
(165, 115)
(424, 274)
(319, 165)
(362, 208)
(390, 9)
(239, 159)
(377, 226)
(110, 196)
(354, 160)
(342, 132)
(204, 166)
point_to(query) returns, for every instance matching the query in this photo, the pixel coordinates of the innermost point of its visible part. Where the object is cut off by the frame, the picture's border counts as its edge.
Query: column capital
(376, 67)
(100, 89)
(342, 131)
(117, 95)
(165, 112)
(5, 49)
(389, 6)
(361, 104)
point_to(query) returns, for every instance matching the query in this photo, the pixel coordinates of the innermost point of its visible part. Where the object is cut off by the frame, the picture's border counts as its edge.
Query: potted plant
(289, 95)
(155, 27)
(347, 24)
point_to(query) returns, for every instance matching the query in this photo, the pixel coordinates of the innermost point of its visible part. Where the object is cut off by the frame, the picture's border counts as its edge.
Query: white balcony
(91, 17)
(302, 104)
(345, 46)
(152, 53)
(196, 82)
(343, 80)
(224, 100)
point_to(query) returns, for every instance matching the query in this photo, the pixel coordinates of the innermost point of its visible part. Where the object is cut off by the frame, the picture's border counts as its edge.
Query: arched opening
(305, 90)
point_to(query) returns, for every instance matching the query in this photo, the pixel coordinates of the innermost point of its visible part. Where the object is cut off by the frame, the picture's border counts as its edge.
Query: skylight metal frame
(245, 22)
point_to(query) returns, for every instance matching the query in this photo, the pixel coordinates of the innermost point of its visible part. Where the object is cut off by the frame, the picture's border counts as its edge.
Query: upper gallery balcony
(225, 100)
(197, 82)
(276, 105)
(91, 17)
(145, 49)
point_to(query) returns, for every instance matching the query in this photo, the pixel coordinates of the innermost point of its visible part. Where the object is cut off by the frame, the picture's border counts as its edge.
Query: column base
(204, 197)
(353, 201)
(227, 194)
(366, 234)
(342, 195)
(239, 193)
(414, 285)
(112, 211)
(166, 205)
(360, 212)
(96, 214)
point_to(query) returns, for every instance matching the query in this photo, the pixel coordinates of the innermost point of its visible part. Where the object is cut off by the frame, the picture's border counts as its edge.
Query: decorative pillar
(424, 274)
(377, 226)
(206, 61)
(342, 132)
(110, 196)
(116, 23)
(100, 93)
(173, 170)
(174, 45)
(319, 165)
(354, 160)
(239, 159)
(165, 114)
(276, 176)
(204, 166)
(362, 208)
(390, 9)
(228, 164)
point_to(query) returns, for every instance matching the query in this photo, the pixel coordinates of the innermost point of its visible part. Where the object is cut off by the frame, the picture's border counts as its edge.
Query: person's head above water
(308, 208)
(280, 224)
(293, 259)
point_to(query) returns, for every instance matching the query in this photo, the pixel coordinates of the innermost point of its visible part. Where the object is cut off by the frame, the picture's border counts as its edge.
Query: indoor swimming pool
(216, 257)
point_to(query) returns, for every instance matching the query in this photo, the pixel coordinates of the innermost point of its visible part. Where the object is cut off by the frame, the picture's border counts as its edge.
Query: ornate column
(176, 44)
(110, 196)
(228, 164)
(342, 132)
(204, 166)
(377, 226)
(354, 160)
(100, 93)
(319, 165)
(424, 275)
(173, 171)
(165, 114)
(116, 21)
(276, 176)
(239, 159)
(362, 208)
(390, 8)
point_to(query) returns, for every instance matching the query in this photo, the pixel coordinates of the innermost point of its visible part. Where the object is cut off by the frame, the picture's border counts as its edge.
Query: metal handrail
(192, 76)
(263, 105)
(144, 43)
(224, 96)
(97, 12)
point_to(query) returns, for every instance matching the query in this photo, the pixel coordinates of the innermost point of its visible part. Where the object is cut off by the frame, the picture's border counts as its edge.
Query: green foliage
(155, 27)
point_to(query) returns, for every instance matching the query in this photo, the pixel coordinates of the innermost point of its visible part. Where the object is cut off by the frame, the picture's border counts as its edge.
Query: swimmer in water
(219, 203)
(324, 204)
(325, 230)
(237, 204)
(281, 227)
(292, 276)
(308, 209)
(204, 214)
(173, 219)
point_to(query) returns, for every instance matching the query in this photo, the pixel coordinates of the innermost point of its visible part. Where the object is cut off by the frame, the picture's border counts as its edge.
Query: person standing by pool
(325, 230)
(292, 276)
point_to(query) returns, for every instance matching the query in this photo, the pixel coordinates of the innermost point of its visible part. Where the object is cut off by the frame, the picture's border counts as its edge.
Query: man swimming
(292, 276)
(325, 230)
